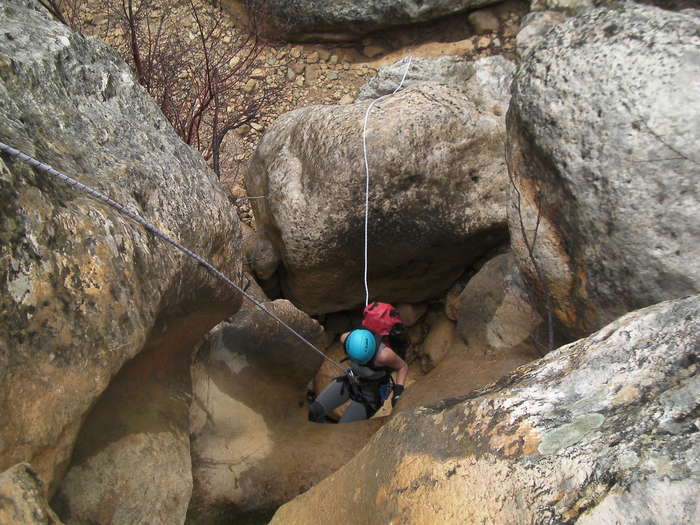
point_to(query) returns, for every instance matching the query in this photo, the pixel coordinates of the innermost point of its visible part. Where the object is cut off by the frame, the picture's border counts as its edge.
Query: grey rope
(155, 231)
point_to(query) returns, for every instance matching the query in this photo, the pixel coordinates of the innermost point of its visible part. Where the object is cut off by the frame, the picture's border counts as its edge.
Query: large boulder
(83, 289)
(22, 498)
(489, 87)
(602, 134)
(604, 430)
(348, 19)
(437, 342)
(437, 190)
(495, 313)
(253, 447)
(453, 368)
(573, 7)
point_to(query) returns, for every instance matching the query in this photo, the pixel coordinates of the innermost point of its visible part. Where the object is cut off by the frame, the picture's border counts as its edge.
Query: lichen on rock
(83, 290)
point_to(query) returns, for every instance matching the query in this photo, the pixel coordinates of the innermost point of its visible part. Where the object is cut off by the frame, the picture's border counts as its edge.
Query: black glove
(398, 390)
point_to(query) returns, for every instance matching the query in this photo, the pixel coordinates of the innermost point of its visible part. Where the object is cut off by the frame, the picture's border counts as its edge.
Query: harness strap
(372, 399)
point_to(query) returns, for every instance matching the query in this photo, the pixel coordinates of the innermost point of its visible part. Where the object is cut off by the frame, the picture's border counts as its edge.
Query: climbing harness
(155, 231)
(371, 398)
(364, 148)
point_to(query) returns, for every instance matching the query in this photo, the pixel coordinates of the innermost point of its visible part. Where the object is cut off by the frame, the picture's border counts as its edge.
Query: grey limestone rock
(603, 430)
(264, 259)
(567, 6)
(603, 128)
(83, 290)
(485, 81)
(452, 70)
(494, 311)
(489, 87)
(534, 28)
(348, 19)
(437, 184)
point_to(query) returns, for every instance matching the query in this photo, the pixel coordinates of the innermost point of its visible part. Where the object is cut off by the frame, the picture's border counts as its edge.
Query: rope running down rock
(155, 231)
(364, 148)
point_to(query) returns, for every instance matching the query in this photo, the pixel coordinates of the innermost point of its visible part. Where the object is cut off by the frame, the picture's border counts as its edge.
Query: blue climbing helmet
(361, 345)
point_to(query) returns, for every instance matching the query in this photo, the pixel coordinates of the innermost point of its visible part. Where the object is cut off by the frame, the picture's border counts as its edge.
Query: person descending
(370, 383)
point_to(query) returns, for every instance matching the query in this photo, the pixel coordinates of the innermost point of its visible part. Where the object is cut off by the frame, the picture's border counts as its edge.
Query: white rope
(155, 231)
(364, 148)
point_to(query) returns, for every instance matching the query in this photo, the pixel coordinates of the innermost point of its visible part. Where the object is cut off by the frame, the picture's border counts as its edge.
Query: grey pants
(332, 397)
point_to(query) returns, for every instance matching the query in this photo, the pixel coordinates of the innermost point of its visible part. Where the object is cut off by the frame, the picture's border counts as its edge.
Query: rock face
(451, 70)
(485, 81)
(457, 371)
(490, 85)
(494, 311)
(22, 499)
(534, 27)
(410, 314)
(82, 289)
(265, 259)
(345, 20)
(603, 430)
(602, 134)
(249, 419)
(483, 21)
(437, 190)
(131, 462)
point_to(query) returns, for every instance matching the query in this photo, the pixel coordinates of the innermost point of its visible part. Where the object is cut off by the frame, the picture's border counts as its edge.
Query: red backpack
(381, 318)
(384, 320)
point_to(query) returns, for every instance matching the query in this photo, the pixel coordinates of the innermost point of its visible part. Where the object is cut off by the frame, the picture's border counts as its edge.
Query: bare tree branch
(530, 247)
(191, 60)
(639, 123)
(53, 7)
